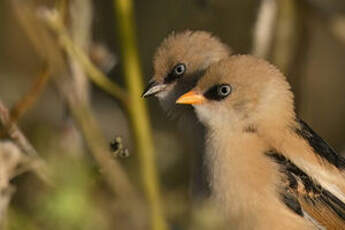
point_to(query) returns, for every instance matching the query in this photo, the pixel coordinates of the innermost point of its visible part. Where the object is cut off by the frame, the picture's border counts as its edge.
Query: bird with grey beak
(179, 62)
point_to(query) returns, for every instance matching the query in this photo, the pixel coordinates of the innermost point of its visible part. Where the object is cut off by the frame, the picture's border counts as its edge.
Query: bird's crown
(196, 50)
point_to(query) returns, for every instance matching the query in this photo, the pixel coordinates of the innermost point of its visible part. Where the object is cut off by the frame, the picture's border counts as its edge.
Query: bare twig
(76, 94)
(62, 7)
(15, 134)
(286, 35)
(30, 97)
(133, 106)
(39, 36)
(137, 110)
(264, 28)
(115, 177)
(10, 158)
(81, 112)
(80, 30)
(55, 23)
(113, 172)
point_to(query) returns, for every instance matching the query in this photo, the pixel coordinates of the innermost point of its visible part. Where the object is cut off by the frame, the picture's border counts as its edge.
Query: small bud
(117, 148)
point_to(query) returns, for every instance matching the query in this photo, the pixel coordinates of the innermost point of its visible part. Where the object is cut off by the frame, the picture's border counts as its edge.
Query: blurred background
(71, 75)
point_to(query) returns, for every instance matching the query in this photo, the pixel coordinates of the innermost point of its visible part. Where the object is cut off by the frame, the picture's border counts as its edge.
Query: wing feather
(305, 193)
(320, 147)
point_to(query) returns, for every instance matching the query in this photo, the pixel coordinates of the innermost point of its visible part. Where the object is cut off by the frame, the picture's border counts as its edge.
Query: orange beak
(191, 98)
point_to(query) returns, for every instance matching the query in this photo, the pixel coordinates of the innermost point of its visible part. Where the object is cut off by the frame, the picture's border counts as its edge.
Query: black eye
(179, 69)
(218, 92)
(224, 90)
(175, 73)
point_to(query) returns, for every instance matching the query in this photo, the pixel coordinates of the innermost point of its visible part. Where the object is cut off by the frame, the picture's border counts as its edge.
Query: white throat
(238, 179)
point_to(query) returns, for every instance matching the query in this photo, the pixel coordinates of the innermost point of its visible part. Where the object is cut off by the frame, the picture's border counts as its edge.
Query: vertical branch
(286, 34)
(137, 110)
(264, 28)
(81, 111)
(111, 169)
(291, 43)
(113, 172)
(31, 97)
(80, 30)
(15, 134)
(55, 23)
(278, 36)
(10, 158)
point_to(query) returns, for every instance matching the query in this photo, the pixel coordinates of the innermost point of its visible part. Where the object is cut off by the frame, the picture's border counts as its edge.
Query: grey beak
(153, 88)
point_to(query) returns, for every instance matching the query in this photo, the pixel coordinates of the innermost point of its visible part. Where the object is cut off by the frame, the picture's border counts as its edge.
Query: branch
(137, 110)
(10, 158)
(112, 171)
(80, 30)
(264, 28)
(82, 114)
(30, 97)
(114, 175)
(286, 36)
(54, 21)
(15, 134)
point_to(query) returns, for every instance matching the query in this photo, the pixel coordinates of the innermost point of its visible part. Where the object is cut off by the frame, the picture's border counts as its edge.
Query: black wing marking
(292, 202)
(319, 145)
(303, 193)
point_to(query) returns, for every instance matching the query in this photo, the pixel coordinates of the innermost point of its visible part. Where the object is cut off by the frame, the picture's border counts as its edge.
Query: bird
(268, 168)
(178, 63)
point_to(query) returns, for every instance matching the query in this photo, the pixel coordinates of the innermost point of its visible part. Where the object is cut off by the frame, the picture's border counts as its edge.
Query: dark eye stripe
(173, 75)
(213, 93)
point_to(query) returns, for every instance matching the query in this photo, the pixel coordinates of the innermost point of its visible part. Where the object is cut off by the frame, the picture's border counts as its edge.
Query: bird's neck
(240, 173)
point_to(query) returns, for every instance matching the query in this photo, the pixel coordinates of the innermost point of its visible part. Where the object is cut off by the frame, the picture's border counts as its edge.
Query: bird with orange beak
(268, 169)
(179, 62)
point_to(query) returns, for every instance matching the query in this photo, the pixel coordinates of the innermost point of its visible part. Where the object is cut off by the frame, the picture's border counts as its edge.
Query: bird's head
(241, 91)
(180, 61)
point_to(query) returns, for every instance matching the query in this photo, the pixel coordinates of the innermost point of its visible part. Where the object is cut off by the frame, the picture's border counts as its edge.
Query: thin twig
(115, 177)
(55, 23)
(10, 157)
(286, 35)
(38, 35)
(76, 94)
(137, 110)
(264, 28)
(62, 6)
(113, 172)
(80, 33)
(16, 135)
(31, 97)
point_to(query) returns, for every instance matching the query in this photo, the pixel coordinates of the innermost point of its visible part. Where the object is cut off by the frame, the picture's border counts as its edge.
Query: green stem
(95, 75)
(137, 110)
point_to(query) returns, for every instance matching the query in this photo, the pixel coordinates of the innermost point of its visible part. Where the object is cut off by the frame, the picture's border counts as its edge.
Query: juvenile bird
(178, 63)
(269, 169)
